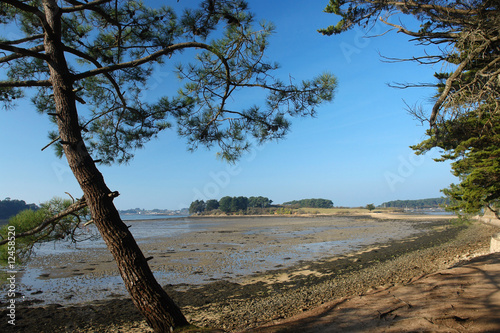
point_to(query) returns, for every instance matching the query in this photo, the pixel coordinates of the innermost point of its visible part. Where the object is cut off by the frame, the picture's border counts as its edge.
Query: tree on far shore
(197, 206)
(10, 207)
(418, 203)
(211, 204)
(464, 121)
(310, 203)
(370, 207)
(88, 65)
(230, 204)
(260, 201)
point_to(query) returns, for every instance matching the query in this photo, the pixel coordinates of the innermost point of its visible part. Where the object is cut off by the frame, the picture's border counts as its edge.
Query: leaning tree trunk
(148, 296)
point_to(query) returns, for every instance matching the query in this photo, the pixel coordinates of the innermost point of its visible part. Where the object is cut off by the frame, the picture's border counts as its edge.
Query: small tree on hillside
(88, 64)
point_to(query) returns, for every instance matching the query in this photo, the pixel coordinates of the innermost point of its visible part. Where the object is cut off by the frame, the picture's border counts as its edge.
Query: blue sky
(356, 151)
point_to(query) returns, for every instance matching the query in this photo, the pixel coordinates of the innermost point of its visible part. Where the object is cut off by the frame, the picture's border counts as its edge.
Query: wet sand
(203, 250)
(280, 267)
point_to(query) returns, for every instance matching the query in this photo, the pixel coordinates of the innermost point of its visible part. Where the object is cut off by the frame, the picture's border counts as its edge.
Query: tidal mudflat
(200, 250)
(249, 271)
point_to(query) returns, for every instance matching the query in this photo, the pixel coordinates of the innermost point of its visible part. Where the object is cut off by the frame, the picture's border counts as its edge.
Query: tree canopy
(464, 120)
(197, 206)
(116, 46)
(418, 203)
(260, 201)
(311, 203)
(229, 204)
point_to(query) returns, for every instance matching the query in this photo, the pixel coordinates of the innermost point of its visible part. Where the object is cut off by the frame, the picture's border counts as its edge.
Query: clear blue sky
(355, 152)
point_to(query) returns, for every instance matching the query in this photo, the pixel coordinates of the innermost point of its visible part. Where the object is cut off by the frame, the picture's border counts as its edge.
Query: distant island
(253, 206)
(416, 204)
(10, 207)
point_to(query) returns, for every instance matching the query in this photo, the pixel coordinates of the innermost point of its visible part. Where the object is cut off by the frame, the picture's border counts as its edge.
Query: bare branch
(24, 40)
(398, 85)
(455, 75)
(441, 9)
(29, 83)
(14, 56)
(426, 35)
(24, 7)
(22, 51)
(51, 143)
(78, 6)
(424, 60)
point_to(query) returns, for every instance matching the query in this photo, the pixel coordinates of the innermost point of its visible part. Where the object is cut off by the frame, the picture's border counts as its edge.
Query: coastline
(280, 293)
(342, 213)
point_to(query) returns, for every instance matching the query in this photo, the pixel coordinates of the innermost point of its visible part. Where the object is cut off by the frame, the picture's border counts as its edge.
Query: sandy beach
(238, 274)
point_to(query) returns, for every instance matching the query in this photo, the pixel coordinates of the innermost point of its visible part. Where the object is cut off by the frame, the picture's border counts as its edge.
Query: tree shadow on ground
(465, 298)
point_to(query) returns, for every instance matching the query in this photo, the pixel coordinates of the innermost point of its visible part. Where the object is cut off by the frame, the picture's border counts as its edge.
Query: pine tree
(89, 63)
(464, 121)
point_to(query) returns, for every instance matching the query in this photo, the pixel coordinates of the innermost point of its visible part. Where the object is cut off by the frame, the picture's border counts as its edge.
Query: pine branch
(94, 6)
(96, 63)
(134, 63)
(50, 221)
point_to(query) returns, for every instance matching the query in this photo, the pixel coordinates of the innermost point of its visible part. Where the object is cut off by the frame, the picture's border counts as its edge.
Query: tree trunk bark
(148, 296)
